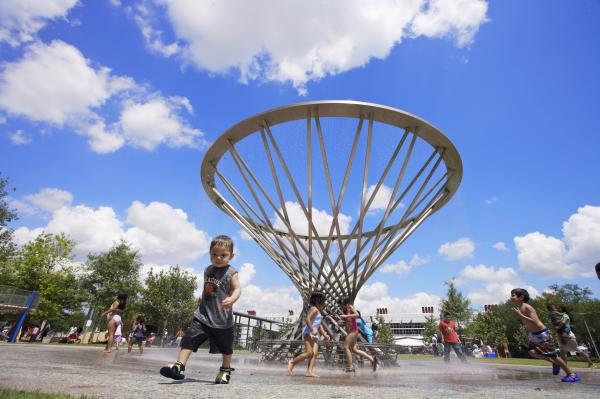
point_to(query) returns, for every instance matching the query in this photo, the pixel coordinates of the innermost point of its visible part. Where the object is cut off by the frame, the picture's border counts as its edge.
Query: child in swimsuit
(310, 335)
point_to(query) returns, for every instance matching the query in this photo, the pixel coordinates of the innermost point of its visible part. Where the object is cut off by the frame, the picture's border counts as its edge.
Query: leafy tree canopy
(7, 215)
(110, 273)
(430, 328)
(45, 265)
(456, 304)
(168, 299)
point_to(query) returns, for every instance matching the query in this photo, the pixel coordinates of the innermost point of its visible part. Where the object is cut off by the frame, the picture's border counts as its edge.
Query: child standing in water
(310, 335)
(138, 334)
(114, 319)
(540, 341)
(567, 342)
(213, 319)
(349, 316)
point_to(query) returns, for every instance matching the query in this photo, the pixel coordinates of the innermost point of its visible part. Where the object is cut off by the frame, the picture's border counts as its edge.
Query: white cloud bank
(55, 84)
(300, 41)
(459, 249)
(492, 285)
(572, 256)
(20, 20)
(161, 233)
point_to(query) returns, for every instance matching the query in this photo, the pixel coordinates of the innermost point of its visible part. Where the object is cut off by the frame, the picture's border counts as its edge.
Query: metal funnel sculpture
(330, 189)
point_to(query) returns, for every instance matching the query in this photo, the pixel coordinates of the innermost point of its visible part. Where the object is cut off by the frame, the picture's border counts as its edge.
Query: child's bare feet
(105, 351)
(312, 375)
(290, 367)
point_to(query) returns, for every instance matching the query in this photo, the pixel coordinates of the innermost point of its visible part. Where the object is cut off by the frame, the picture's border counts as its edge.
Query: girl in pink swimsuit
(349, 315)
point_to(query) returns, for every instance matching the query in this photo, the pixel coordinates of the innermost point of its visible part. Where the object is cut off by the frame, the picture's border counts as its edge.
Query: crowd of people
(213, 322)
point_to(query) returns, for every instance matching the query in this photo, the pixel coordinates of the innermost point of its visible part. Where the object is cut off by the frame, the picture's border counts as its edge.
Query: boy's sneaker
(555, 369)
(224, 375)
(571, 378)
(174, 371)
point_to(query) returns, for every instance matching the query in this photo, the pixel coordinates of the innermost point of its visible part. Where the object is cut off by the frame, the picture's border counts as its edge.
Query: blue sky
(107, 109)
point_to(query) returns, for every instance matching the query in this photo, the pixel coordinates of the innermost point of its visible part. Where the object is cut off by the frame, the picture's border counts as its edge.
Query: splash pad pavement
(81, 370)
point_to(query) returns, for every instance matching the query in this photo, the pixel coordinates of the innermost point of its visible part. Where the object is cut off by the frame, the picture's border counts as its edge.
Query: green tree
(430, 328)
(168, 299)
(386, 335)
(456, 304)
(7, 215)
(109, 273)
(45, 265)
(488, 327)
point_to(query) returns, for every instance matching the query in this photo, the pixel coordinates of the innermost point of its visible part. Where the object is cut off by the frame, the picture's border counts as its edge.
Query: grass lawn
(6, 393)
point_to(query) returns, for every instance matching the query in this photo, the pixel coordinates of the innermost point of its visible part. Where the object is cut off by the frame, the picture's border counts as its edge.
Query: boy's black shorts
(221, 339)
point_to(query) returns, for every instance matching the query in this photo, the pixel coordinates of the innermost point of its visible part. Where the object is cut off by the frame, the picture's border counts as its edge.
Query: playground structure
(329, 190)
(16, 300)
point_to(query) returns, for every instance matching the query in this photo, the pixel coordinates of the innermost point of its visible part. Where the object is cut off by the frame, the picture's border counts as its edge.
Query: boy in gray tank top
(213, 319)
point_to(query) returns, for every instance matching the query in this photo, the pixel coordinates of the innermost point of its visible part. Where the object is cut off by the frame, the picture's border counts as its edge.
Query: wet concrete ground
(82, 370)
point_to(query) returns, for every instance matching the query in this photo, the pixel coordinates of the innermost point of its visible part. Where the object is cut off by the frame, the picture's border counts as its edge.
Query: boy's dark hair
(446, 314)
(140, 319)
(316, 297)
(374, 327)
(598, 269)
(222, 241)
(521, 293)
(122, 298)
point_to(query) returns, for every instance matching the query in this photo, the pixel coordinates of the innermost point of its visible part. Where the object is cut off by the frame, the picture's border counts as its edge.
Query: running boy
(213, 319)
(447, 330)
(540, 341)
(567, 342)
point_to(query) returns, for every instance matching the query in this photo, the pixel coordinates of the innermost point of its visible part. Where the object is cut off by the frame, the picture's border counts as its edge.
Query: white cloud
(301, 41)
(245, 236)
(382, 198)
(582, 235)
(569, 257)
(267, 301)
(490, 274)
(501, 246)
(57, 85)
(490, 285)
(497, 292)
(491, 200)
(164, 234)
(157, 121)
(161, 233)
(544, 255)
(246, 273)
(20, 20)
(19, 138)
(53, 83)
(402, 267)
(456, 18)
(321, 219)
(50, 199)
(23, 235)
(461, 248)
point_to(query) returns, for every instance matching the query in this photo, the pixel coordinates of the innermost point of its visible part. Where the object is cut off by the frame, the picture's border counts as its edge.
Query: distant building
(406, 327)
